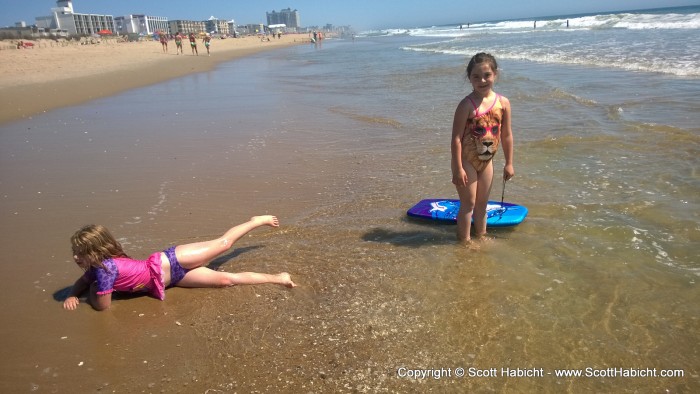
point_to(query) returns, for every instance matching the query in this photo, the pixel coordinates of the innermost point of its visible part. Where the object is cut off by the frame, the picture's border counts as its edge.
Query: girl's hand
(508, 172)
(71, 303)
(459, 178)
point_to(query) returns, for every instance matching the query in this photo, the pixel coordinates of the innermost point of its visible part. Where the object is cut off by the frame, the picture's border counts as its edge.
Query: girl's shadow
(225, 258)
(411, 239)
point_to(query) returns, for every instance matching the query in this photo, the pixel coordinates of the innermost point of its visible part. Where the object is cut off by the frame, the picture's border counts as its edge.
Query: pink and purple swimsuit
(135, 276)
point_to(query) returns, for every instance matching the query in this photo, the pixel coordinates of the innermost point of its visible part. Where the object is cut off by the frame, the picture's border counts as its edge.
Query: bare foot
(266, 220)
(286, 280)
(486, 239)
(472, 245)
(464, 241)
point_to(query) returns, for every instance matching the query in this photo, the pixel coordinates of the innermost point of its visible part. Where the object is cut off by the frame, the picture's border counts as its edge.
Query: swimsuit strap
(495, 100)
(476, 109)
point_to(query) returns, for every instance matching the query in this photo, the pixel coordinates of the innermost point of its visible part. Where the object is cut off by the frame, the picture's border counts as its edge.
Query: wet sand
(338, 155)
(52, 76)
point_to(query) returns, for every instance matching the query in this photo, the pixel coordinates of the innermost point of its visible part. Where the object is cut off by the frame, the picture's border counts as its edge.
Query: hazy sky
(360, 14)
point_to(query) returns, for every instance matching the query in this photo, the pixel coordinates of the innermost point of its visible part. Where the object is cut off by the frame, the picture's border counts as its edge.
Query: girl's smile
(482, 78)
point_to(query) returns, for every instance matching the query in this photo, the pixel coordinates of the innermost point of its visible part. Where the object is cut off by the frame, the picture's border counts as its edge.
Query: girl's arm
(72, 302)
(99, 302)
(459, 176)
(507, 139)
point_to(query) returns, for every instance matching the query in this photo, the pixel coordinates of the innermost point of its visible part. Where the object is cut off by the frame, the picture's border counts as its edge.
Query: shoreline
(45, 78)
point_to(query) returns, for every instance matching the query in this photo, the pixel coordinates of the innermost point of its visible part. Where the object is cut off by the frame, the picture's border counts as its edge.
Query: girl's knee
(224, 243)
(466, 206)
(226, 280)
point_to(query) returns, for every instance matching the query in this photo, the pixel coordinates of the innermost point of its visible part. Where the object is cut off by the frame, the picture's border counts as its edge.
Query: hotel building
(63, 18)
(217, 26)
(140, 24)
(285, 17)
(186, 26)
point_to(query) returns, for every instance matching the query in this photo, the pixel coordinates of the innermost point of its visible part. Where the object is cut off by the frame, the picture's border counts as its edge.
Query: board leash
(503, 191)
(503, 195)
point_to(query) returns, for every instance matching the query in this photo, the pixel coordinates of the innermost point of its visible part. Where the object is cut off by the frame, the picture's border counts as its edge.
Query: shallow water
(338, 141)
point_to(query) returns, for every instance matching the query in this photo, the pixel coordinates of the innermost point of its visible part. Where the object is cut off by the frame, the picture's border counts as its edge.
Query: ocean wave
(383, 33)
(592, 56)
(622, 20)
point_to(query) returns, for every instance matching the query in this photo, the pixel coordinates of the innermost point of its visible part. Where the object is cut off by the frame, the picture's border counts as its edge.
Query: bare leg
(483, 189)
(205, 277)
(467, 199)
(198, 254)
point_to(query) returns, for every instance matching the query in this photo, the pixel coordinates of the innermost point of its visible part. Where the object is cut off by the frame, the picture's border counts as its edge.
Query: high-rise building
(62, 17)
(216, 26)
(141, 24)
(187, 26)
(284, 17)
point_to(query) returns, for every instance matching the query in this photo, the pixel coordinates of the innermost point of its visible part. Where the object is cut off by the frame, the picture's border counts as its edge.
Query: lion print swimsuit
(482, 134)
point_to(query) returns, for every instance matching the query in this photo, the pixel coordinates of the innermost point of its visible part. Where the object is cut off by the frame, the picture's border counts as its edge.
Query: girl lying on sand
(108, 269)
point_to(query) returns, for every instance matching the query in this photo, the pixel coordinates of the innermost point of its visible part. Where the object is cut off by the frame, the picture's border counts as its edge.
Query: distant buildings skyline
(63, 20)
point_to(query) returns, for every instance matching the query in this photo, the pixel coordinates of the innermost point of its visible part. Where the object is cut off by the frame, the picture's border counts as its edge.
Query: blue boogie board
(445, 210)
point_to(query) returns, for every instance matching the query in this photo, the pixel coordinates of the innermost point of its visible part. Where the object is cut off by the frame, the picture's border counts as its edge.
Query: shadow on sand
(432, 234)
(435, 233)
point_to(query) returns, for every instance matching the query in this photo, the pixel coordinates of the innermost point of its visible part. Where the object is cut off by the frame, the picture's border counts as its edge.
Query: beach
(596, 291)
(52, 75)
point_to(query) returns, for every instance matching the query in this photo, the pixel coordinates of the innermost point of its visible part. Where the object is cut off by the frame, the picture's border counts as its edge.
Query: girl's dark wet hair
(481, 58)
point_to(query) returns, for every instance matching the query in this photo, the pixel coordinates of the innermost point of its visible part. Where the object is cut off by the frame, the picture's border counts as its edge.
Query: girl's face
(482, 78)
(82, 262)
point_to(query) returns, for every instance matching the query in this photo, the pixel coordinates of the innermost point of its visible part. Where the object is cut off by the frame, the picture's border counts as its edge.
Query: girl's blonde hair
(96, 243)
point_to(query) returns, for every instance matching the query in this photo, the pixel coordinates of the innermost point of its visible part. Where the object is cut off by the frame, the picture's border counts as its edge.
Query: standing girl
(481, 121)
(108, 269)
(178, 43)
(163, 41)
(207, 41)
(193, 44)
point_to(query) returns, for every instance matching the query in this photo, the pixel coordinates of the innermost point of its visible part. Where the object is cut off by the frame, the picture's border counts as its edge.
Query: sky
(359, 14)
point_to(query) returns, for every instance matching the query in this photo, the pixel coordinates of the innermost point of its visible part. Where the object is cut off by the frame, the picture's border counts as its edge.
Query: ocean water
(339, 140)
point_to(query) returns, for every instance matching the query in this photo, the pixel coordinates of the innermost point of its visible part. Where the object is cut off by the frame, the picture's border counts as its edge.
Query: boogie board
(445, 210)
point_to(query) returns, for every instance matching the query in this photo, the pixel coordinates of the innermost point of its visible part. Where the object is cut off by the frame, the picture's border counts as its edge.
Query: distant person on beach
(193, 44)
(108, 269)
(178, 43)
(481, 121)
(207, 41)
(164, 41)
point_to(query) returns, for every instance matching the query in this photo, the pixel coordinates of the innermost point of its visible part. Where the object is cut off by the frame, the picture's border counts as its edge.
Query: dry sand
(50, 76)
